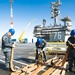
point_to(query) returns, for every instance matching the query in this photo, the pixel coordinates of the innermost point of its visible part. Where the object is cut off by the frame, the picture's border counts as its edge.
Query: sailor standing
(7, 45)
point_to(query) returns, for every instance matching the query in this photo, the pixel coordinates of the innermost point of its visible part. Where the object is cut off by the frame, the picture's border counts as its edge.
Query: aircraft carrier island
(55, 32)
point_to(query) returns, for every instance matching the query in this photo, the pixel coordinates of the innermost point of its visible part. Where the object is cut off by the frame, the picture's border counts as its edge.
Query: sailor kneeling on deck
(40, 43)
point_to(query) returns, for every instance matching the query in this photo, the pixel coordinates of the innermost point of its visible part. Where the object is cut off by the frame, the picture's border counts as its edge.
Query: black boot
(8, 69)
(70, 69)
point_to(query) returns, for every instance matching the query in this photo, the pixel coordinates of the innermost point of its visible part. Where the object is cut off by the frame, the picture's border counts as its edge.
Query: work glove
(13, 45)
(73, 45)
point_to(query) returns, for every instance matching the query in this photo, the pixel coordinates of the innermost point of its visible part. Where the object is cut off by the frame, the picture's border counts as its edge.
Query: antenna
(58, 3)
(55, 10)
(11, 14)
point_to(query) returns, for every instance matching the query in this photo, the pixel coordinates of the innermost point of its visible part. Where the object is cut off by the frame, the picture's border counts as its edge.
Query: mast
(55, 10)
(11, 14)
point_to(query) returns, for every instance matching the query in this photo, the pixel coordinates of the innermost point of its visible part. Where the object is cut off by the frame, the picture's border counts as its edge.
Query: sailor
(40, 43)
(71, 56)
(7, 45)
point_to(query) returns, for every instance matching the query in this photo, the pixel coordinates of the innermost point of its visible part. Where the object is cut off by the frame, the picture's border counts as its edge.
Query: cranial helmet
(72, 32)
(39, 40)
(12, 31)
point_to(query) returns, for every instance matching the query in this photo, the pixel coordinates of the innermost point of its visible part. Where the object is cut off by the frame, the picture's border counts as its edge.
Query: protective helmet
(39, 40)
(72, 32)
(12, 31)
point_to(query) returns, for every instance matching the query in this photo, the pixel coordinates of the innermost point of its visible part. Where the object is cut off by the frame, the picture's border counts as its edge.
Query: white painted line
(17, 61)
(17, 67)
(31, 57)
(20, 62)
(4, 63)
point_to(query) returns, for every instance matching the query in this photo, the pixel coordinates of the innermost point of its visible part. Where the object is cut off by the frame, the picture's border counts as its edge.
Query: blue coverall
(6, 48)
(42, 46)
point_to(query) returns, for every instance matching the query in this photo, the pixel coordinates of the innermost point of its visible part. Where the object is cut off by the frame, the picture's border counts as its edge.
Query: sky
(25, 11)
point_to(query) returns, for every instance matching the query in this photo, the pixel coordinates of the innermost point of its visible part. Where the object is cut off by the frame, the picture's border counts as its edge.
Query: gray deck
(24, 54)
